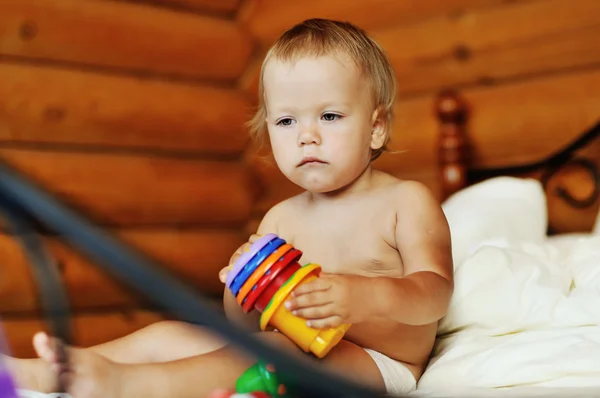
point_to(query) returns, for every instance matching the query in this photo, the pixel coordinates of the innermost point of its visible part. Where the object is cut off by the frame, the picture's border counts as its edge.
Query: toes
(44, 348)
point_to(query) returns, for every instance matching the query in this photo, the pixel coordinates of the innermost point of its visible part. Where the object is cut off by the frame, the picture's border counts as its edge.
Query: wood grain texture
(43, 105)
(124, 35)
(218, 7)
(136, 190)
(511, 124)
(477, 45)
(474, 46)
(88, 329)
(249, 80)
(192, 256)
(265, 27)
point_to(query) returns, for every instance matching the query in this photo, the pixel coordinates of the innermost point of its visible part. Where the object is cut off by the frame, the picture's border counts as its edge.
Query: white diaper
(397, 377)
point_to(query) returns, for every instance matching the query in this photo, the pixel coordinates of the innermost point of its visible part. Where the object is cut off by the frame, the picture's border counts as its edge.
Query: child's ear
(378, 129)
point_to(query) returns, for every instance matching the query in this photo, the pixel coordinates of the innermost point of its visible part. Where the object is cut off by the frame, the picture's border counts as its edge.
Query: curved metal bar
(52, 293)
(556, 160)
(564, 194)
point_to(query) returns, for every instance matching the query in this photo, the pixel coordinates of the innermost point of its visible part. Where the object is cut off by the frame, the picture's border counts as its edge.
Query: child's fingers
(254, 237)
(242, 249)
(316, 312)
(236, 255)
(314, 299)
(316, 285)
(223, 274)
(329, 322)
(44, 347)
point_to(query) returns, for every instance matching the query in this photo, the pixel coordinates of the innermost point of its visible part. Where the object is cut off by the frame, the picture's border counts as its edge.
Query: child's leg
(159, 342)
(196, 376)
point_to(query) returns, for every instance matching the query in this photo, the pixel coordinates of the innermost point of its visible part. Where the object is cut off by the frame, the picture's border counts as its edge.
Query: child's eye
(330, 117)
(285, 122)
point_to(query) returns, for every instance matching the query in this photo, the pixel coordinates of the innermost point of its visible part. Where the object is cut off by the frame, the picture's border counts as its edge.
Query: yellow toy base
(317, 341)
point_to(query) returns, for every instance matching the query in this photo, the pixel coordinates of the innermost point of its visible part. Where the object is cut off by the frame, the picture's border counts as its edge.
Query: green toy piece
(261, 377)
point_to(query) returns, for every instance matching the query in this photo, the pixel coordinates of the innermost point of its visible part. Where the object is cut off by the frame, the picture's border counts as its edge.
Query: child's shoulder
(409, 192)
(413, 202)
(413, 192)
(279, 213)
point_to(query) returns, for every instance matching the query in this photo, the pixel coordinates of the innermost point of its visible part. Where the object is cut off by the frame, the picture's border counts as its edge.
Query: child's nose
(309, 135)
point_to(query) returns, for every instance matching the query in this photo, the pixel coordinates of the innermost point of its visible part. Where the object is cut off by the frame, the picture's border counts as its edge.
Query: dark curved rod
(555, 160)
(52, 293)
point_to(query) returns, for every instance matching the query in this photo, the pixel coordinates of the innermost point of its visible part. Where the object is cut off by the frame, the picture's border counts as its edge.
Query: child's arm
(423, 240)
(420, 297)
(233, 310)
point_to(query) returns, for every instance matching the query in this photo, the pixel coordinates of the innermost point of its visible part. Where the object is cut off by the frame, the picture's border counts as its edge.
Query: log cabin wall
(129, 112)
(132, 111)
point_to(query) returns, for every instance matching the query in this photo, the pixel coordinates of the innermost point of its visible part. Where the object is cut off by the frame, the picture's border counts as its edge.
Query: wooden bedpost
(451, 112)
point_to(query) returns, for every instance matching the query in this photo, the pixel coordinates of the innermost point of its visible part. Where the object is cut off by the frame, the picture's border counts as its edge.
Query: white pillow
(499, 210)
(596, 230)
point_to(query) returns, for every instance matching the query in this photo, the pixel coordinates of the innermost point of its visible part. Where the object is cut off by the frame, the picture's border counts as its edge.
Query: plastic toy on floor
(258, 381)
(262, 279)
(7, 385)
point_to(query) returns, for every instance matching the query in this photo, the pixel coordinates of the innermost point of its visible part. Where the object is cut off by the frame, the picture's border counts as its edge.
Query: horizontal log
(119, 190)
(87, 329)
(269, 18)
(192, 256)
(249, 80)
(43, 105)
(509, 125)
(552, 54)
(124, 35)
(224, 7)
(476, 46)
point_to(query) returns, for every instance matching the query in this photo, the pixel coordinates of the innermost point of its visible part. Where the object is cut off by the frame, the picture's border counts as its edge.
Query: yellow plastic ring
(283, 292)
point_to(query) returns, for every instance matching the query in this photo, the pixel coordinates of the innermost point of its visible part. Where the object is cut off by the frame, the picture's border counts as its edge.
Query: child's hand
(332, 300)
(243, 248)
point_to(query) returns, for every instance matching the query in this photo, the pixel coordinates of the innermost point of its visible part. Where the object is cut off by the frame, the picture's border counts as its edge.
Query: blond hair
(317, 37)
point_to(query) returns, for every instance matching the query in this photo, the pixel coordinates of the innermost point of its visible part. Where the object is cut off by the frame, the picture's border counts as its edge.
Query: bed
(525, 316)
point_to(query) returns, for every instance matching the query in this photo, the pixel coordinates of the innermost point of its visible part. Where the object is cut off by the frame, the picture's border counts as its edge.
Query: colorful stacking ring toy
(262, 279)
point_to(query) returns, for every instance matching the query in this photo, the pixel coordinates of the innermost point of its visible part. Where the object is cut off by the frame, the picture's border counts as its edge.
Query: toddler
(326, 98)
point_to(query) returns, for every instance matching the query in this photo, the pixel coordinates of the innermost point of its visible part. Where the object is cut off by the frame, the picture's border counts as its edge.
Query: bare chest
(359, 242)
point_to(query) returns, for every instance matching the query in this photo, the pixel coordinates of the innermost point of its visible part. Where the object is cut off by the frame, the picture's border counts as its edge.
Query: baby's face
(320, 118)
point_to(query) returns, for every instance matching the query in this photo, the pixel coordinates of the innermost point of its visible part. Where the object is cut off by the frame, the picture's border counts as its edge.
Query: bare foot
(87, 374)
(31, 374)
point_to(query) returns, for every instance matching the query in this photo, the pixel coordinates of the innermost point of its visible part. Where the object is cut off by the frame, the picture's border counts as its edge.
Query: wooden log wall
(530, 69)
(128, 111)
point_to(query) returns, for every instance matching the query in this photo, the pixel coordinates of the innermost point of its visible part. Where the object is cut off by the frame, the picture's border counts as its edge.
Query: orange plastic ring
(260, 271)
